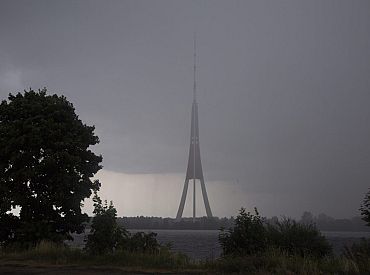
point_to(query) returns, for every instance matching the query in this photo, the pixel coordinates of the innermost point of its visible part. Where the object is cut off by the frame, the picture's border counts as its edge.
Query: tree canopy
(46, 168)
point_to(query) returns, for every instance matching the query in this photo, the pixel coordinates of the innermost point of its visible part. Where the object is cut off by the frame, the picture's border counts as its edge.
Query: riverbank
(53, 259)
(29, 268)
(267, 264)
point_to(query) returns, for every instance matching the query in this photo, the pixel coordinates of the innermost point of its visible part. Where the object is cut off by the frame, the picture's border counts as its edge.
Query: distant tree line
(202, 223)
(327, 223)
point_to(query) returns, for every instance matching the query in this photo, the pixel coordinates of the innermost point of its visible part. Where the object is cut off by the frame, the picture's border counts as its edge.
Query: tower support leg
(182, 202)
(194, 213)
(205, 198)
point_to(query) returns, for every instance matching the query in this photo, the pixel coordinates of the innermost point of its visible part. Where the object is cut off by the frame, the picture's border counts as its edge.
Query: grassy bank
(50, 253)
(276, 262)
(271, 262)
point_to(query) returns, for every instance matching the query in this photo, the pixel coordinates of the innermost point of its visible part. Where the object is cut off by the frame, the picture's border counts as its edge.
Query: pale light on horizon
(158, 195)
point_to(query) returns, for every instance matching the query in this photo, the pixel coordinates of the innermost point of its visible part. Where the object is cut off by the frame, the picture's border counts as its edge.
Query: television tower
(194, 171)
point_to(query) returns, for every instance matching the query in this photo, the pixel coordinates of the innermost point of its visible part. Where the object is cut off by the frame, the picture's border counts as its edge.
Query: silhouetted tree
(105, 234)
(45, 168)
(247, 237)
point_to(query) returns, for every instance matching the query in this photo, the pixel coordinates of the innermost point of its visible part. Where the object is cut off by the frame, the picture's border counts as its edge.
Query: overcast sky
(284, 96)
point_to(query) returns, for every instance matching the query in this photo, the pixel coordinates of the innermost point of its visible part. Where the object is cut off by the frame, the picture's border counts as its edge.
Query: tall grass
(275, 261)
(51, 253)
(272, 261)
(45, 252)
(359, 253)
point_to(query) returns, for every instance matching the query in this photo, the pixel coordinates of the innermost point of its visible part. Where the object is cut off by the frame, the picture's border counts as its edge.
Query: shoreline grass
(271, 262)
(51, 253)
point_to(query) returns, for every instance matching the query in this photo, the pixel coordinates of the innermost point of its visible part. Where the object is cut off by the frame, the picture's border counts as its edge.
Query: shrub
(295, 238)
(105, 233)
(251, 235)
(107, 236)
(140, 242)
(247, 237)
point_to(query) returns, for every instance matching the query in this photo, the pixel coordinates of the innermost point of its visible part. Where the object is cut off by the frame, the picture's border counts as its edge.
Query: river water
(203, 244)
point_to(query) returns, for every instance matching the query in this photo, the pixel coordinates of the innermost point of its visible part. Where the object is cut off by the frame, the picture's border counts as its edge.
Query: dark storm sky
(284, 90)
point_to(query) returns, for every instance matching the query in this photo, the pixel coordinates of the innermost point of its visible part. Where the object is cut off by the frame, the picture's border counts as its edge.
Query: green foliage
(247, 237)
(59, 254)
(105, 234)
(297, 238)
(141, 242)
(252, 236)
(45, 168)
(48, 252)
(272, 261)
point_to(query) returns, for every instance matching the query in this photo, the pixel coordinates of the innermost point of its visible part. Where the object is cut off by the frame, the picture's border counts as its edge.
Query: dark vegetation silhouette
(45, 168)
(247, 237)
(254, 235)
(294, 238)
(105, 234)
(107, 237)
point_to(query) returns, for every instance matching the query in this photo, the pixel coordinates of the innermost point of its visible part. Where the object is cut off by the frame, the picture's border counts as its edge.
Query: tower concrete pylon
(194, 170)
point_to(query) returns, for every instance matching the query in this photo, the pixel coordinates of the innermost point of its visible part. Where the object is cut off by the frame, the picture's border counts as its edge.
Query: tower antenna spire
(194, 171)
(195, 69)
